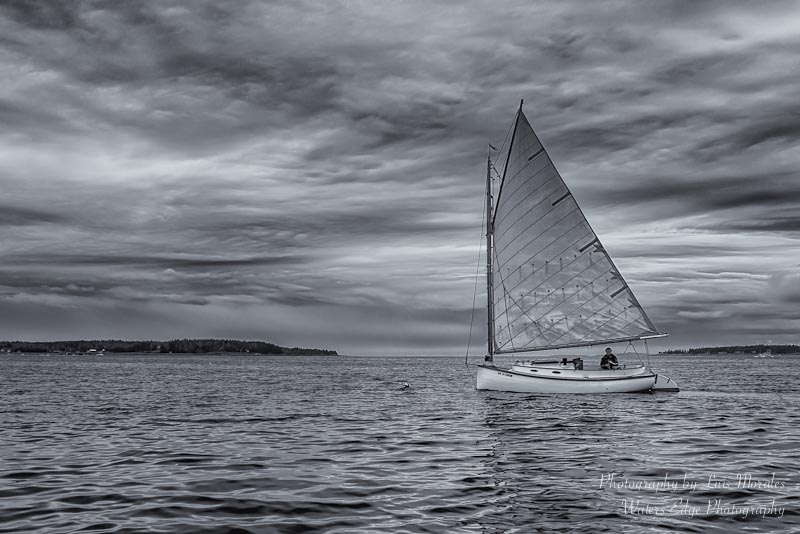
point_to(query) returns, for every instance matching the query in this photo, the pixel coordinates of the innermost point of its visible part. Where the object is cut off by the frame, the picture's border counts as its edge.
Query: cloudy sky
(311, 173)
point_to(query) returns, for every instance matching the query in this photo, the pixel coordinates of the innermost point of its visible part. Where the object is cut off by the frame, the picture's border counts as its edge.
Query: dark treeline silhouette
(732, 349)
(193, 346)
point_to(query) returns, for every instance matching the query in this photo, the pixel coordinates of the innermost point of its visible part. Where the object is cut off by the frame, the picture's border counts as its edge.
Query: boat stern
(666, 384)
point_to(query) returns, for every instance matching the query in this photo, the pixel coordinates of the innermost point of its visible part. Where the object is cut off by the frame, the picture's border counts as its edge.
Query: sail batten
(553, 282)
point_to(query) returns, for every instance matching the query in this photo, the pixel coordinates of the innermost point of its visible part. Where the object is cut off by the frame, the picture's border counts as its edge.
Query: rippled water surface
(142, 443)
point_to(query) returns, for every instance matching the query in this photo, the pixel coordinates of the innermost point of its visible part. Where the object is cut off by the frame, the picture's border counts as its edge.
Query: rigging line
(508, 157)
(495, 171)
(513, 337)
(508, 324)
(638, 355)
(533, 322)
(542, 316)
(521, 309)
(505, 302)
(502, 146)
(539, 328)
(475, 289)
(635, 352)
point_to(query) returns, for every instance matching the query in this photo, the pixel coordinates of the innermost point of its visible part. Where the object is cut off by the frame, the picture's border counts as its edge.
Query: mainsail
(553, 284)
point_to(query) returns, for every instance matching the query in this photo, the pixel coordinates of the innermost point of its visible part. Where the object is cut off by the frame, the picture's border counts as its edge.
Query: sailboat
(551, 284)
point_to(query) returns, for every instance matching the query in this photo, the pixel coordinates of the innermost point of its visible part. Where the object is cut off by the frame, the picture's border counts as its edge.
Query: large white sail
(554, 285)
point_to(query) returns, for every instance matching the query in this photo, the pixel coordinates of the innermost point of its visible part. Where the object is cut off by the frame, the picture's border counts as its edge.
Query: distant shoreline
(174, 346)
(98, 353)
(738, 349)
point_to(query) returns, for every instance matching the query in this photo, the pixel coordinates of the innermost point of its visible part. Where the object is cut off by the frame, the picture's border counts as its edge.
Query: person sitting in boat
(609, 360)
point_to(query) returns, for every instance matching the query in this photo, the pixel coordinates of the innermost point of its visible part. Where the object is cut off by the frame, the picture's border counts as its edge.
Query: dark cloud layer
(312, 172)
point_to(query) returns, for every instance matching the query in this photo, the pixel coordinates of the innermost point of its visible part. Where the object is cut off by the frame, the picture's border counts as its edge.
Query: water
(194, 444)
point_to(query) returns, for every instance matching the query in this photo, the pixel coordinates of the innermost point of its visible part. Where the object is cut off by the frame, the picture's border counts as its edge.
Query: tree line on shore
(733, 349)
(193, 346)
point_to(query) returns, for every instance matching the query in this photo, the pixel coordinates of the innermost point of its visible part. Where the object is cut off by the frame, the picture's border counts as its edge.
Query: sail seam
(510, 226)
(575, 293)
(536, 270)
(539, 318)
(507, 296)
(589, 317)
(510, 179)
(604, 324)
(519, 158)
(568, 280)
(548, 182)
(505, 301)
(520, 171)
(523, 199)
(513, 336)
(546, 229)
(608, 321)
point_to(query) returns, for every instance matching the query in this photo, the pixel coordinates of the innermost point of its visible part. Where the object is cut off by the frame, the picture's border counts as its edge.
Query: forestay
(554, 284)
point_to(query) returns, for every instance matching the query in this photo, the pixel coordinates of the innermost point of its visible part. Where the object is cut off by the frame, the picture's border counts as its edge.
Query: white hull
(546, 379)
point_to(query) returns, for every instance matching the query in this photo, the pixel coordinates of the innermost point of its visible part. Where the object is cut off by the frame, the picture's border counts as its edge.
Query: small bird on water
(405, 385)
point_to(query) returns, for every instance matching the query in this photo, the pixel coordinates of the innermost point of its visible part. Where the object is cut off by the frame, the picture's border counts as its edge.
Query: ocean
(335, 444)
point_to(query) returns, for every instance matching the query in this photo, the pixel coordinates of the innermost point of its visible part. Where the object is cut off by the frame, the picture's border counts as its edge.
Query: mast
(489, 280)
(490, 239)
(490, 340)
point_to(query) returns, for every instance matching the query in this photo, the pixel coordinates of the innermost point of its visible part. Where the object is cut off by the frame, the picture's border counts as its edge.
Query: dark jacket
(609, 361)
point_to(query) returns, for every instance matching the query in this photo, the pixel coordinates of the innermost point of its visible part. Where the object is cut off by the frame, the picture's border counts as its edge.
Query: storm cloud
(311, 173)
